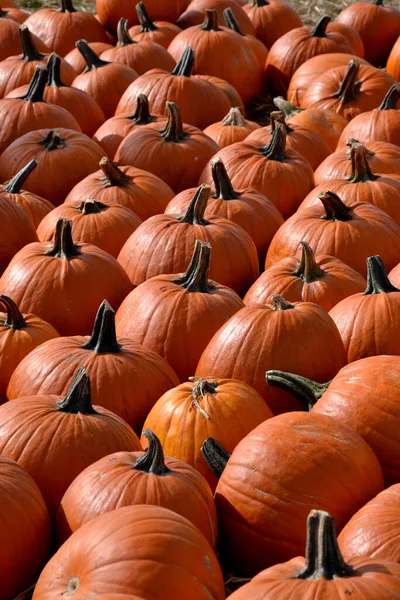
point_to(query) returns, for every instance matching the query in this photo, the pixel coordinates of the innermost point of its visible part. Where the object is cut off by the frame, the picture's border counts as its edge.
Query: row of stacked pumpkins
(199, 343)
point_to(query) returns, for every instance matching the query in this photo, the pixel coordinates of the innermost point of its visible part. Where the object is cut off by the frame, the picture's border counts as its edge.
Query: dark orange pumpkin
(393, 63)
(233, 128)
(77, 61)
(248, 40)
(196, 11)
(15, 14)
(9, 36)
(350, 34)
(161, 32)
(271, 19)
(111, 11)
(16, 230)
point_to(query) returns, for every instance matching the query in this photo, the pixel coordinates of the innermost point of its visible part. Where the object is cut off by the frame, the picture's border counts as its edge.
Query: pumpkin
(130, 478)
(23, 510)
(177, 153)
(9, 36)
(221, 407)
(144, 193)
(242, 348)
(295, 47)
(350, 233)
(393, 62)
(115, 130)
(323, 572)
(394, 275)
(19, 335)
(71, 426)
(273, 169)
(16, 230)
(201, 102)
(160, 32)
(373, 531)
(328, 124)
(15, 14)
(77, 61)
(271, 19)
(111, 11)
(64, 158)
(193, 306)
(196, 11)
(377, 25)
(247, 208)
(60, 29)
(117, 544)
(325, 281)
(348, 90)
(233, 128)
(381, 124)
(350, 34)
(112, 362)
(65, 269)
(229, 91)
(164, 244)
(248, 40)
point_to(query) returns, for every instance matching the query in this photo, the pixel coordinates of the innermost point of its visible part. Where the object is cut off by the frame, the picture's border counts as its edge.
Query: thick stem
(142, 115)
(377, 2)
(323, 557)
(63, 246)
(377, 279)
(37, 84)
(104, 338)
(361, 171)
(308, 392)
(123, 35)
(215, 456)
(93, 61)
(54, 71)
(350, 143)
(144, 19)
(234, 118)
(78, 398)
(210, 22)
(279, 303)
(14, 318)
(319, 29)
(91, 207)
(260, 3)
(390, 100)
(223, 185)
(288, 109)
(277, 116)
(349, 86)
(335, 209)
(29, 52)
(276, 147)
(112, 175)
(196, 277)
(231, 21)
(173, 130)
(53, 141)
(67, 6)
(194, 214)
(184, 66)
(152, 460)
(308, 269)
(15, 185)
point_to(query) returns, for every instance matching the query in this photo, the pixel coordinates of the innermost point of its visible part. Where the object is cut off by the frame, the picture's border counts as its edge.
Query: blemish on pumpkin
(73, 586)
(207, 563)
(261, 492)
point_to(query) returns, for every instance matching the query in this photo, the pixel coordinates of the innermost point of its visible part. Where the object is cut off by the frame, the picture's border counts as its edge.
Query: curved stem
(231, 21)
(308, 268)
(319, 29)
(194, 214)
(308, 392)
(390, 100)
(14, 318)
(144, 19)
(78, 398)
(142, 115)
(210, 22)
(215, 456)
(361, 171)
(54, 71)
(277, 116)
(123, 35)
(185, 64)
(350, 143)
(223, 185)
(234, 118)
(91, 207)
(37, 84)
(14, 186)
(53, 141)
(377, 279)
(200, 390)
(152, 460)
(67, 6)
(279, 303)
(93, 61)
(104, 338)
(112, 175)
(173, 130)
(195, 279)
(335, 209)
(348, 86)
(288, 109)
(63, 246)
(29, 52)
(276, 147)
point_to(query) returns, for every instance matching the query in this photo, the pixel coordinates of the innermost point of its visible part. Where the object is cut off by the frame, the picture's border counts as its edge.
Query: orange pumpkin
(233, 128)
(196, 11)
(393, 63)
(77, 61)
(111, 11)
(16, 230)
(252, 43)
(161, 32)
(271, 19)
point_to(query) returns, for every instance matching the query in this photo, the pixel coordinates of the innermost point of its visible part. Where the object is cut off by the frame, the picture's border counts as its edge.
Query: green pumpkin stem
(78, 399)
(195, 279)
(377, 279)
(144, 19)
(210, 22)
(15, 185)
(279, 303)
(215, 456)
(123, 35)
(223, 185)
(185, 64)
(308, 269)
(14, 318)
(319, 29)
(194, 214)
(91, 207)
(104, 338)
(308, 392)
(67, 6)
(112, 175)
(152, 460)
(231, 21)
(360, 168)
(390, 100)
(173, 130)
(275, 150)
(29, 51)
(53, 141)
(289, 110)
(335, 209)
(93, 61)
(54, 71)
(36, 86)
(349, 87)
(63, 245)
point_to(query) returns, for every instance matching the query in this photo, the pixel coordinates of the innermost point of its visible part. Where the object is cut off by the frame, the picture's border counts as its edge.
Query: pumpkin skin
(23, 509)
(350, 34)
(9, 36)
(16, 231)
(348, 233)
(324, 280)
(224, 408)
(130, 478)
(19, 335)
(160, 32)
(323, 573)
(373, 530)
(115, 545)
(229, 91)
(394, 275)
(164, 244)
(57, 152)
(271, 19)
(15, 14)
(143, 193)
(254, 44)
(76, 60)
(393, 63)
(195, 13)
(64, 268)
(241, 349)
(233, 128)
(110, 12)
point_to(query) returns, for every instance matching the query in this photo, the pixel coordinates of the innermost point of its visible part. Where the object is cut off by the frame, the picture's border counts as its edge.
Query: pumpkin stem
(201, 388)
(323, 557)
(54, 71)
(279, 303)
(67, 6)
(335, 209)
(112, 175)
(308, 269)
(78, 399)
(215, 456)
(14, 186)
(194, 214)
(104, 338)
(53, 141)
(144, 19)
(278, 117)
(29, 52)
(276, 147)
(260, 3)
(390, 100)
(349, 88)
(173, 130)
(210, 22)
(196, 277)
(152, 460)
(350, 143)
(123, 35)
(319, 29)
(377, 279)
(142, 115)
(361, 171)
(14, 318)
(184, 66)
(91, 207)
(377, 2)
(234, 118)
(63, 245)
(308, 392)
(36, 86)
(223, 185)
(231, 21)
(93, 61)
(288, 109)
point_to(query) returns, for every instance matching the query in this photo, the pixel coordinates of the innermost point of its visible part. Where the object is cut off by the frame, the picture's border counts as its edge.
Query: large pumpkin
(16, 230)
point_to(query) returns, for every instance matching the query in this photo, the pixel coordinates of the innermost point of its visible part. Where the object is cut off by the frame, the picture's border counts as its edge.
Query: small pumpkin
(161, 32)
(196, 11)
(111, 11)
(77, 61)
(271, 19)
(233, 128)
